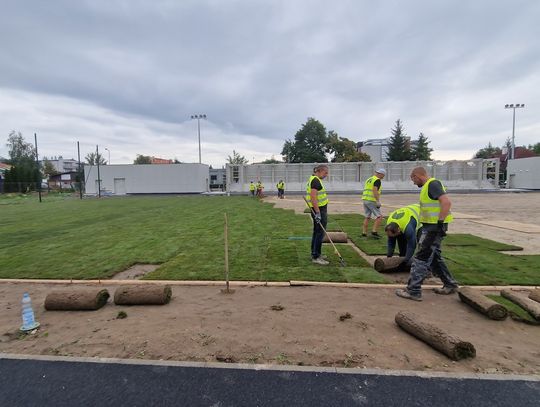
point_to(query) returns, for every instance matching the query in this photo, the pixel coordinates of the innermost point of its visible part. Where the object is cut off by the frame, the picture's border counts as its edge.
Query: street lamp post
(514, 107)
(108, 162)
(199, 117)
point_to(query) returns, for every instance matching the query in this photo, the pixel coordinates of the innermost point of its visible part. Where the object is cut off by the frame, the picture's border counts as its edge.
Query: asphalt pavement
(76, 382)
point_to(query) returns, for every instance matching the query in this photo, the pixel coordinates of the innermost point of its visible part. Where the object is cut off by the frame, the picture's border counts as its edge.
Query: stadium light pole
(514, 107)
(108, 162)
(199, 117)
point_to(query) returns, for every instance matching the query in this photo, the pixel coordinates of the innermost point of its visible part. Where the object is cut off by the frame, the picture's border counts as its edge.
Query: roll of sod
(89, 299)
(388, 264)
(483, 304)
(535, 295)
(337, 237)
(532, 307)
(143, 295)
(450, 345)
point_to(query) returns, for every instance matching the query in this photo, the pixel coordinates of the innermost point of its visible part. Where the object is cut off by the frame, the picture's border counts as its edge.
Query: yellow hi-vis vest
(403, 216)
(367, 195)
(252, 187)
(431, 208)
(322, 199)
(281, 185)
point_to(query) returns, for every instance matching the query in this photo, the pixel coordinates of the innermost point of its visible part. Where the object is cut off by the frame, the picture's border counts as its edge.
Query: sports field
(67, 238)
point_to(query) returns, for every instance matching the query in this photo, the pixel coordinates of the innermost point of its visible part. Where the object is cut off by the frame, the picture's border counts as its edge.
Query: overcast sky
(127, 75)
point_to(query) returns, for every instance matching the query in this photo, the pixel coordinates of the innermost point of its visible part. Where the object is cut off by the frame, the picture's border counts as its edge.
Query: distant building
(376, 148)
(218, 179)
(65, 180)
(62, 165)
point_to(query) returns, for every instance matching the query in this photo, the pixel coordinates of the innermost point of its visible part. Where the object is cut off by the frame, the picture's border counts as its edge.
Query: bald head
(419, 176)
(419, 171)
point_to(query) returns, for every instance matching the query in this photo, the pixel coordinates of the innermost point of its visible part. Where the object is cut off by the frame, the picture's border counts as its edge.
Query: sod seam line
(292, 283)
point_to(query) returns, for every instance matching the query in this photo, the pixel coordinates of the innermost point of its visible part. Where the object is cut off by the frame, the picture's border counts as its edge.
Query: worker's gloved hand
(440, 228)
(317, 217)
(378, 204)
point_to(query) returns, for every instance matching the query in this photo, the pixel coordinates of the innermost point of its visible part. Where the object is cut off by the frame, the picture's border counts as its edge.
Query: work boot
(407, 295)
(445, 290)
(364, 235)
(320, 261)
(375, 235)
(324, 257)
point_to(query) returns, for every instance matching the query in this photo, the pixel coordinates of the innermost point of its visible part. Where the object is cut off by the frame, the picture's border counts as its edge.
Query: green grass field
(65, 238)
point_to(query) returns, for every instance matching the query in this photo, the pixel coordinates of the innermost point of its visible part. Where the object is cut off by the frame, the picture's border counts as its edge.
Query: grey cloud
(261, 68)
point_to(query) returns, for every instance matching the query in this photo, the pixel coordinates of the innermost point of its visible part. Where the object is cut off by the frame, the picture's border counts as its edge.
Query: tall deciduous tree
(343, 149)
(399, 148)
(309, 145)
(142, 159)
(48, 168)
(421, 152)
(93, 158)
(24, 175)
(237, 159)
(488, 152)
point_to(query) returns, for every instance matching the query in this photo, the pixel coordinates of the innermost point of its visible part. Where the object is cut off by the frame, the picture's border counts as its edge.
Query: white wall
(148, 178)
(350, 177)
(524, 173)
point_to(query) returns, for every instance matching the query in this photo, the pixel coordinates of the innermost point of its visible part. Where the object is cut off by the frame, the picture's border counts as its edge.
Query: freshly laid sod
(472, 260)
(67, 238)
(97, 238)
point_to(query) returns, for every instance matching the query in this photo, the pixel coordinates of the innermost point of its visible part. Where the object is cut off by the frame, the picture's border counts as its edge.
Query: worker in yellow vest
(435, 216)
(371, 198)
(280, 189)
(259, 187)
(401, 227)
(318, 201)
(252, 188)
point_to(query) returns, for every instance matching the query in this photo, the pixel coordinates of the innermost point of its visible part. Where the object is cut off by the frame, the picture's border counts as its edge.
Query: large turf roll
(337, 237)
(532, 307)
(450, 345)
(482, 304)
(388, 264)
(535, 295)
(143, 295)
(88, 299)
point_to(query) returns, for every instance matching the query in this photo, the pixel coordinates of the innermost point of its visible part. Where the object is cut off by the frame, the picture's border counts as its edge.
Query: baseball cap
(381, 171)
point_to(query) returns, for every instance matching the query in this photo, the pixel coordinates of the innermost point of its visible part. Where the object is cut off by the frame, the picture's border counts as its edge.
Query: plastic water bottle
(29, 321)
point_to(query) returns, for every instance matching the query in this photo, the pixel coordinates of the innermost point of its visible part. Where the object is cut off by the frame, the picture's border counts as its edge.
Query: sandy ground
(519, 208)
(201, 324)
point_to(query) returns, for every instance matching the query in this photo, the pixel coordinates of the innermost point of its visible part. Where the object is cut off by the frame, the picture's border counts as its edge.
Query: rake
(336, 251)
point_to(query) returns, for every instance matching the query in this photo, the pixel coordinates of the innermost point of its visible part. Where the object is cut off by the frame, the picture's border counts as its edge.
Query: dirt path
(519, 208)
(202, 324)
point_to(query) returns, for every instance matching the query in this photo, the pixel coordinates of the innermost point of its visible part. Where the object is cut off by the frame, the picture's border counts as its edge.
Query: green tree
(421, 152)
(271, 161)
(24, 176)
(48, 169)
(309, 145)
(488, 152)
(535, 148)
(93, 158)
(142, 159)
(236, 159)
(343, 149)
(399, 148)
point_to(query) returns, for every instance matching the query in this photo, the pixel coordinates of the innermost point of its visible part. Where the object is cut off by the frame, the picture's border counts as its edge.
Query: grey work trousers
(428, 258)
